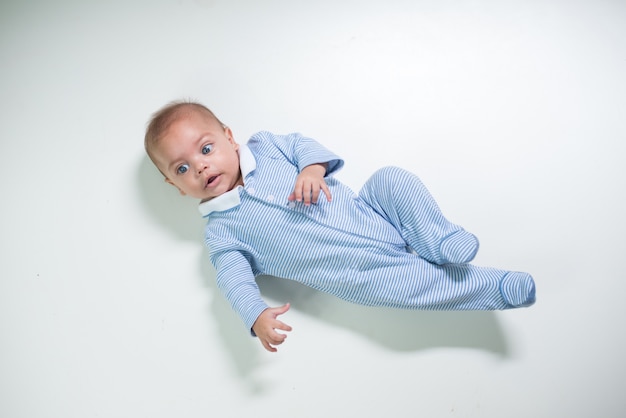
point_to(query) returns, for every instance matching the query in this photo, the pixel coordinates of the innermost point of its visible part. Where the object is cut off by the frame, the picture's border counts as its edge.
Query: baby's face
(199, 156)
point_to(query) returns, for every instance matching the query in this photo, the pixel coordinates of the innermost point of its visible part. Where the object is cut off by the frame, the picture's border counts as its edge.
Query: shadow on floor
(396, 329)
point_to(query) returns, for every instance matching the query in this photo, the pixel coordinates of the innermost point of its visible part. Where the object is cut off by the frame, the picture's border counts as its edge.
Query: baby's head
(194, 150)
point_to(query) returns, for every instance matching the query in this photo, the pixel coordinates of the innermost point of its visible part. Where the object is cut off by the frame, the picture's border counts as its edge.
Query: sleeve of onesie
(303, 151)
(236, 280)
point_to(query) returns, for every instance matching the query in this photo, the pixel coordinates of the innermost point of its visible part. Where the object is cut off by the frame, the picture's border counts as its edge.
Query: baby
(273, 208)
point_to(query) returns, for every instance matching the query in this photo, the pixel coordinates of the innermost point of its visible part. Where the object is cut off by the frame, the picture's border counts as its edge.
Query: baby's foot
(518, 289)
(459, 247)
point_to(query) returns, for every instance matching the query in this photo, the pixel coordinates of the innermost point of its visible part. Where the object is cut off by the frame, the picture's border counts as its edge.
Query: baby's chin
(206, 198)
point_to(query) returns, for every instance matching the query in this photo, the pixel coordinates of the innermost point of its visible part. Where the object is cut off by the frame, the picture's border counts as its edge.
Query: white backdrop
(512, 112)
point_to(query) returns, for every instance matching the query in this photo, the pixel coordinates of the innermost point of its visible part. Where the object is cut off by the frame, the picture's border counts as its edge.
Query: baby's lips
(210, 180)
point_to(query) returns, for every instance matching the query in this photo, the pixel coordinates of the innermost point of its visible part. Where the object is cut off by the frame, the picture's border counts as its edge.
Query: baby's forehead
(190, 112)
(185, 120)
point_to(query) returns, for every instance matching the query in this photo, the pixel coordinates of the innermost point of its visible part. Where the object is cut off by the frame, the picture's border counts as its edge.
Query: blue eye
(207, 148)
(182, 169)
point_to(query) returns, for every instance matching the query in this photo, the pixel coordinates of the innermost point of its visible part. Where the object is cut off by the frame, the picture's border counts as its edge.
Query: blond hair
(163, 118)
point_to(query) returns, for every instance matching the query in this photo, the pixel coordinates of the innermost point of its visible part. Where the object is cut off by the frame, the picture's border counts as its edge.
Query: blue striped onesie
(389, 245)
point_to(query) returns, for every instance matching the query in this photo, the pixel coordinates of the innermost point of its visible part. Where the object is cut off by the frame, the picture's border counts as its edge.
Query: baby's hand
(266, 325)
(309, 183)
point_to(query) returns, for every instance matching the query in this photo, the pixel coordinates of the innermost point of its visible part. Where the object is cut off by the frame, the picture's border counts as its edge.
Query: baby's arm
(236, 281)
(266, 325)
(309, 183)
(313, 161)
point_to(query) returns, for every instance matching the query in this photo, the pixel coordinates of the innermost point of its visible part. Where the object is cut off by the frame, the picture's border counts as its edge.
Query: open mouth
(211, 180)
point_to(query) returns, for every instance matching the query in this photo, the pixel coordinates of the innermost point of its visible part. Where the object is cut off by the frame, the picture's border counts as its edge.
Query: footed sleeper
(390, 245)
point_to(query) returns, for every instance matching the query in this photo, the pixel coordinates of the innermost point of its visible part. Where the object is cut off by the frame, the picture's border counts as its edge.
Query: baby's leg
(413, 283)
(401, 198)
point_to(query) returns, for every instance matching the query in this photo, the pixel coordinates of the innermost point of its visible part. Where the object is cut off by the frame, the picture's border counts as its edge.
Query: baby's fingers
(276, 338)
(317, 189)
(301, 193)
(297, 192)
(311, 193)
(268, 347)
(271, 340)
(326, 190)
(282, 326)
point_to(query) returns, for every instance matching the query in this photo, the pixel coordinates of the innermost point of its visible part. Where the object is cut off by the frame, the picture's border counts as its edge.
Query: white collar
(231, 198)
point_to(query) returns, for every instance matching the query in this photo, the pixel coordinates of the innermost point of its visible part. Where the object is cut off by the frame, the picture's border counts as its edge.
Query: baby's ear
(172, 183)
(231, 138)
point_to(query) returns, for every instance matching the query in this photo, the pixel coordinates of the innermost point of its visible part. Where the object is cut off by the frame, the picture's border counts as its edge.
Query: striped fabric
(389, 245)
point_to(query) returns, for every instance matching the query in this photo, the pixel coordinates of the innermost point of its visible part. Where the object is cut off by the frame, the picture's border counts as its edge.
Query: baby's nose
(201, 166)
